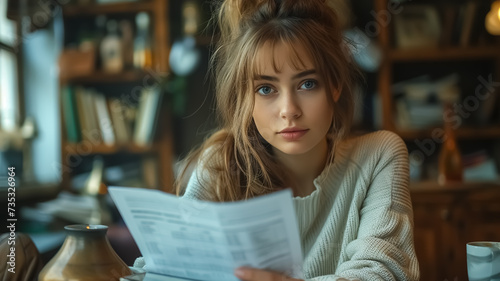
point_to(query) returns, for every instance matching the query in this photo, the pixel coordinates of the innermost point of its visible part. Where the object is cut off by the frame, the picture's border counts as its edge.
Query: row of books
(464, 24)
(448, 24)
(92, 116)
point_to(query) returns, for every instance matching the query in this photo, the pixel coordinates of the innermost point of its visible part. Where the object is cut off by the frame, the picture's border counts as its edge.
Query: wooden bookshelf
(113, 85)
(112, 8)
(104, 77)
(434, 186)
(72, 148)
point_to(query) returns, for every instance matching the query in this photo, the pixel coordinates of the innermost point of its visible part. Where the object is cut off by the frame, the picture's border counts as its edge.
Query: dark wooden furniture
(446, 218)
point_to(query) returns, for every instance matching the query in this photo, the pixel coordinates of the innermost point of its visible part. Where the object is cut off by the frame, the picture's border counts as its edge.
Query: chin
(292, 149)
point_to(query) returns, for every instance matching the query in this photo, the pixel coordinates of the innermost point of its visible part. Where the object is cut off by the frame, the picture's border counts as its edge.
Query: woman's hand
(252, 274)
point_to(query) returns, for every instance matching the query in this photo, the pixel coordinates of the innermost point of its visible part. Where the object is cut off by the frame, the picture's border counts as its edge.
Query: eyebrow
(298, 75)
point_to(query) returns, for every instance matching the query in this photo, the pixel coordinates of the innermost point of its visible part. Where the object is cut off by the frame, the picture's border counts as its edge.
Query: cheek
(329, 113)
(260, 112)
(324, 113)
(256, 115)
(262, 117)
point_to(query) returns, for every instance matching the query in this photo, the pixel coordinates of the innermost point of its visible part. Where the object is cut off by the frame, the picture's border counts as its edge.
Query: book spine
(70, 115)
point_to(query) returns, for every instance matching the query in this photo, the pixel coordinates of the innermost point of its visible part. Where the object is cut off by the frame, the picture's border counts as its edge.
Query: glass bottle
(101, 30)
(111, 49)
(450, 159)
(142, 42)
(127, 43)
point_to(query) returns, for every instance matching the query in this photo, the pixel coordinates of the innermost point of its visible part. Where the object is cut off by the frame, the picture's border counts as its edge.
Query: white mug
(483, 261)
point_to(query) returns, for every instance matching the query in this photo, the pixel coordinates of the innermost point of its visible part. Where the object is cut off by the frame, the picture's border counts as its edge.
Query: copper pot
(85, 255)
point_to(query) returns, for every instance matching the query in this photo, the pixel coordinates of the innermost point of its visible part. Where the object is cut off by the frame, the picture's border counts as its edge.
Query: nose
(290, 108)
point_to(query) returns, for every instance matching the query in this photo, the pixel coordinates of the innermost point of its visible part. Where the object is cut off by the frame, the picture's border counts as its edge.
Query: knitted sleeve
(195, 189)
(384, 248)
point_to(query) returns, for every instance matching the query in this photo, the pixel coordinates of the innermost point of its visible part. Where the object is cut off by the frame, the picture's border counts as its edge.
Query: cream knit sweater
(358, 223)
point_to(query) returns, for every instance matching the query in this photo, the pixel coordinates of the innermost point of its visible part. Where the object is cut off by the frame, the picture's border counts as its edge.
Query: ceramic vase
(84, 256)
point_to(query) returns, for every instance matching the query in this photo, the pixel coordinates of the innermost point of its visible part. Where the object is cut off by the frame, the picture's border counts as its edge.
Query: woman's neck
(301, 170)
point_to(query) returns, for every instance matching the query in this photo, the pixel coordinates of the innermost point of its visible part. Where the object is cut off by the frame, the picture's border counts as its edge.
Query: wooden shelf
(104, 77)
(462, 133)
(112, 8)
(32, 192)
(434, 186)
(477, 133)
(73, 148)
(442, 54)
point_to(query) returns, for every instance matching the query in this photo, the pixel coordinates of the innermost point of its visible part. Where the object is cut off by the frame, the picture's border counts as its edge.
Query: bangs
(281, 45)
(277, 43)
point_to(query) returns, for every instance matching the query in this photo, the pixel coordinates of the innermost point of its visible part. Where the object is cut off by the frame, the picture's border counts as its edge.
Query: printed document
(201, 240)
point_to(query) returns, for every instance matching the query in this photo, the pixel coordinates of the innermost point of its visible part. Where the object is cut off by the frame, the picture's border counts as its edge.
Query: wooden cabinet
(446, 218)
(153, 157)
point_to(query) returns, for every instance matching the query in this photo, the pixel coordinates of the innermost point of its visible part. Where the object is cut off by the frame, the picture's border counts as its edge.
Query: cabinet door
(483, 216)
(426, 241)
(433, 224)
(446, 220)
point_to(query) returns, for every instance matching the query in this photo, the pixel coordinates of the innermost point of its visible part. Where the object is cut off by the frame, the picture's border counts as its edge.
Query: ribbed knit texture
(358, 222)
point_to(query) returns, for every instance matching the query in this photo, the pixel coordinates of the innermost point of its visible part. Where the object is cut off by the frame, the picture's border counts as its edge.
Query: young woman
(284, 83)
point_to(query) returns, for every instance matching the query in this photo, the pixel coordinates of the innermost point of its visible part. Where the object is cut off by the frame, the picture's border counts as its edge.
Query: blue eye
(308, 84)
(265, 90)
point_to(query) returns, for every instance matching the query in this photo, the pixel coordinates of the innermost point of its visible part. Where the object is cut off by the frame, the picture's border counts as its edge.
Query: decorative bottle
(111, 49)
(450, 159)
(85, 255)
(142, 42)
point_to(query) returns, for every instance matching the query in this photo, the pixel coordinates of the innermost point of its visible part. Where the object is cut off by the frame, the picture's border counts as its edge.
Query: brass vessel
(84, 256)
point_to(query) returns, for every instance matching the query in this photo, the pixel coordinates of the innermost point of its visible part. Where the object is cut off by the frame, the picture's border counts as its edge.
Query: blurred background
(115, 92)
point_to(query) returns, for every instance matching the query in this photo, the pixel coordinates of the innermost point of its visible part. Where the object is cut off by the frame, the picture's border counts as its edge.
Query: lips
(292, 134)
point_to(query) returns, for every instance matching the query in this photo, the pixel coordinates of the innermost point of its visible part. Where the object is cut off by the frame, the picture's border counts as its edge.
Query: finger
(252, 274)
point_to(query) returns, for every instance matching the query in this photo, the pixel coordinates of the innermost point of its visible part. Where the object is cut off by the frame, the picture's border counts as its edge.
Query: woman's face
(291, 110)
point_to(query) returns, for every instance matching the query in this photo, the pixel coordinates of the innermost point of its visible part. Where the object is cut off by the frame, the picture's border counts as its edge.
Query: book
(147, 114)
(139, 127)
(120, 124)
(70, 114)
(468, 23)
(104, 119)
(87, 111)
(201, 240)
(417, 26)
(449, 17)
(458, 25)
(82, 115)
(150, 171)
